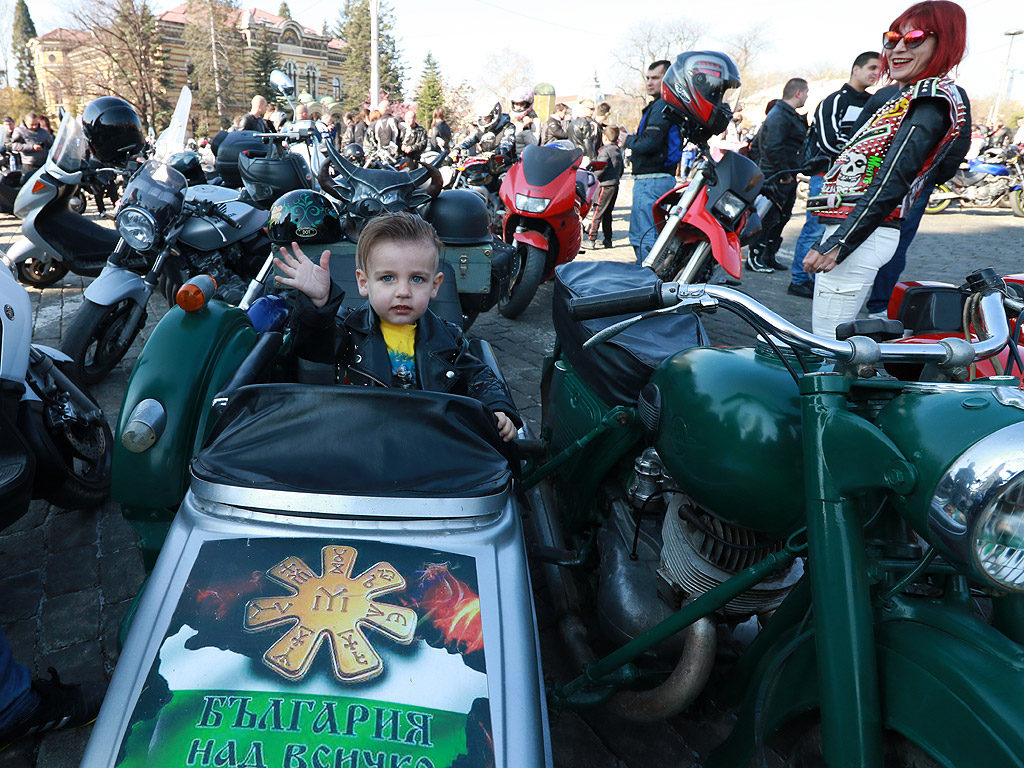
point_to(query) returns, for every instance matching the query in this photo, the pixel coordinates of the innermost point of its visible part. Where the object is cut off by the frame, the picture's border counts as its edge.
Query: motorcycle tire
(74, 465)
(898, 752)
(77, 203)
(91, 341)
(1017, 202)
(40, 273)
(938, 206)
(513, 304)
(671, 271)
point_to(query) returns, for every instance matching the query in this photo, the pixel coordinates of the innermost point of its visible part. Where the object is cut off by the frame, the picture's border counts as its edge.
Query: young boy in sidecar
(392, 340)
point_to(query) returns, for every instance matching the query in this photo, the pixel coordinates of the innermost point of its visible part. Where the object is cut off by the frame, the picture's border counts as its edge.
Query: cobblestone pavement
(69, 577)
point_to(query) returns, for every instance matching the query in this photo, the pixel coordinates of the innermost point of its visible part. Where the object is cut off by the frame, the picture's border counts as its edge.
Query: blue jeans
(16, 696)
(889, 274)
(809, 235)
(646, 192)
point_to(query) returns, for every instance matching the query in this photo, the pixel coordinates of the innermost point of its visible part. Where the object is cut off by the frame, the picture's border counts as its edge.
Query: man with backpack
(833, 124)
(656, 148)
(780, 147)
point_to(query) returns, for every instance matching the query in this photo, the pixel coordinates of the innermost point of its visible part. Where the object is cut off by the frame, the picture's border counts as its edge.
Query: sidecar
(345, 583)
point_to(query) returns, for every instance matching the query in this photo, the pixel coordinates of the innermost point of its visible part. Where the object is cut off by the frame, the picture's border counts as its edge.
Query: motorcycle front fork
(697, 181)
(836, 564)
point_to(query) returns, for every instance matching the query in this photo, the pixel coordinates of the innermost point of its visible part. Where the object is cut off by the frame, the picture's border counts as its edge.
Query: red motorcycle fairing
(699, 224)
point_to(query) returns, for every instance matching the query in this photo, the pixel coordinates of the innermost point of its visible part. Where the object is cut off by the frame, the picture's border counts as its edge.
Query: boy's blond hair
(395, 228)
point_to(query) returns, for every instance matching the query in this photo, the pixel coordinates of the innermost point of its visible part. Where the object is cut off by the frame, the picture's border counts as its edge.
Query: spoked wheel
(1017, 202)
(74, 468)
(531, 272)
(93, 341)
(938, 206)
(40, 272)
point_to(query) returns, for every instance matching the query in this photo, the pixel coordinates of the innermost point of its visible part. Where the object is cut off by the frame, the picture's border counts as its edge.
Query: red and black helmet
(694, 89)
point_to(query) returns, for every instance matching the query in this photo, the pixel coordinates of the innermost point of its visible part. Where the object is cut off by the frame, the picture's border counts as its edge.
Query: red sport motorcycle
(546, 195)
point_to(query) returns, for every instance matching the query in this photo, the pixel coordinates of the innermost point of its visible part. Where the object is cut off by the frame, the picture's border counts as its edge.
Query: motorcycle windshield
(69, 145)
(308, 439)
(542, 165)
(172, 140)
(159, 189)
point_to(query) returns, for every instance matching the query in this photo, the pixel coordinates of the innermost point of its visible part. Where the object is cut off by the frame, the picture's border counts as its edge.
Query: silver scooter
(56, 237)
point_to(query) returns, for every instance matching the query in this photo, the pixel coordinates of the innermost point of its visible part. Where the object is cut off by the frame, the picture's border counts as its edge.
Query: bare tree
(120, 54)
(647, 42)
(503, 71)
(746, 47)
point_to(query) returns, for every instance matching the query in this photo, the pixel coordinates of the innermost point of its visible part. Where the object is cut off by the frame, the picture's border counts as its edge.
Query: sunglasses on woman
(911, 39)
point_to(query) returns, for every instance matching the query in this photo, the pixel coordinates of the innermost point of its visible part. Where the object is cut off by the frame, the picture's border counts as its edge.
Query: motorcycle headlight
(977, 508)
(137, 227)
(532, 204)
(729, 206)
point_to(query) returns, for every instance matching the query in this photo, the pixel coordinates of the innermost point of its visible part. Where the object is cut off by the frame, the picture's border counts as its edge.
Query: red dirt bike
(546, 196)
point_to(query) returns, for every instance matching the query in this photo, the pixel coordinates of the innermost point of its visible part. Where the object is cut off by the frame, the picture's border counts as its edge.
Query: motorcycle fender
(725, 246)
(188, 358)
(530, 237)
(115, 284)
(54, 354)
(24, 249)
(950, 683)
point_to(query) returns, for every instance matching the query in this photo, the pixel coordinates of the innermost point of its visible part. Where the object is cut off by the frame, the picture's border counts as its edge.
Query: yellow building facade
(69, 70)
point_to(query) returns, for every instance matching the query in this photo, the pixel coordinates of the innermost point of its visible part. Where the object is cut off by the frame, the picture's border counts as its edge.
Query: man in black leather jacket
(780, 143)
(554, 126)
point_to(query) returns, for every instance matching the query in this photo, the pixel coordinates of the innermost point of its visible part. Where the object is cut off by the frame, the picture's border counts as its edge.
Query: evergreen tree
(264, 61)
(430, 95)
(23, 30)
(284, 11)
(354, 29)
(218, 58)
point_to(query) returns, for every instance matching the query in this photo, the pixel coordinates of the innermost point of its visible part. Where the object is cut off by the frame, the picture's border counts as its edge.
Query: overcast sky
(568, 40)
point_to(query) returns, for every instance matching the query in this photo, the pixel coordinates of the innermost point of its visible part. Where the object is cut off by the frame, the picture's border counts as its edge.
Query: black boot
(60, 706)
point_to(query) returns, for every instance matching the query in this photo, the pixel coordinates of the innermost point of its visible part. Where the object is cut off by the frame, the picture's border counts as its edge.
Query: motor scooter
(545, 196)
(788, 533)
(329, 591)
(54, 440)
(55, 236)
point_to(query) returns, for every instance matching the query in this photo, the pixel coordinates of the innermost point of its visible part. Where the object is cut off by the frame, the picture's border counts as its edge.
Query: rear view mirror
(282, 83)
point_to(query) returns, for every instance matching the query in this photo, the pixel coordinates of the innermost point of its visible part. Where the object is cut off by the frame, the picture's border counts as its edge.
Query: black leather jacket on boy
(351, 344)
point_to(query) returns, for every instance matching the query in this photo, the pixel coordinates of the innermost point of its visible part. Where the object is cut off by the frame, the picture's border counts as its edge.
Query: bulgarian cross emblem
(335, 608)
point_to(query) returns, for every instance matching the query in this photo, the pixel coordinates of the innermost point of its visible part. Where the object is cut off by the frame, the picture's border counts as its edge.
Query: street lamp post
(374, 52)
(1011, 33)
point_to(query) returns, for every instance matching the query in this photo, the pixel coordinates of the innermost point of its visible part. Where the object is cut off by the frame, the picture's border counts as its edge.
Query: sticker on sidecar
(286, 653)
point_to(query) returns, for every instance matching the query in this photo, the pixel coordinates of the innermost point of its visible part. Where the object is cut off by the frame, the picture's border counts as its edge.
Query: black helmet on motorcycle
(304, 216)
(694, 88)
(354, 153)
(460, 217)
(113, 129)
(189, 165)
(488, 115)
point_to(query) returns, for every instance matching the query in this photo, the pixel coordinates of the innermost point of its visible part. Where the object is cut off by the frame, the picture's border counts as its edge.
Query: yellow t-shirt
(401, 343)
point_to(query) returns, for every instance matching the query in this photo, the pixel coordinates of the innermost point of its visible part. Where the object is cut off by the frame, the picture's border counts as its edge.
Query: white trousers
(839, 294)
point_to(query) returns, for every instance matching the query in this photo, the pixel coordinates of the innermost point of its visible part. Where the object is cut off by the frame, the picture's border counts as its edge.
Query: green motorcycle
(859, 538)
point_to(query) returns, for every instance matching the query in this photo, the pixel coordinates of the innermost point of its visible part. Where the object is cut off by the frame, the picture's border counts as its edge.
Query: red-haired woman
(886, 164)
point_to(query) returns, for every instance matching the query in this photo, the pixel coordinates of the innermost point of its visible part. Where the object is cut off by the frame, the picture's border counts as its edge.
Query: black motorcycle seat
(79, 240)
(619, 368)
(356, 441)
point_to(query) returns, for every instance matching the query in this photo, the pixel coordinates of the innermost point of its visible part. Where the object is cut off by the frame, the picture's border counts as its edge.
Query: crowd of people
(28, 143)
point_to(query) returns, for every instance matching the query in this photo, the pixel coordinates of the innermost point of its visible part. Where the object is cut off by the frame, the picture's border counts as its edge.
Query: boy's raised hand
(303, 275)
(506, 427)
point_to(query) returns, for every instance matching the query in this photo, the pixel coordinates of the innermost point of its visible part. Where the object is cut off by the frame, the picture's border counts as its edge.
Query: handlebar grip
(633, 301)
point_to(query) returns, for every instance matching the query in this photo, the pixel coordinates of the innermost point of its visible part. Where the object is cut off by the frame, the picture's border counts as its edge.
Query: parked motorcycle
(988, 181)
(54, 440)
(55, 236)
(167, 232)
(545, 196)
(790, 521)
(482, 174)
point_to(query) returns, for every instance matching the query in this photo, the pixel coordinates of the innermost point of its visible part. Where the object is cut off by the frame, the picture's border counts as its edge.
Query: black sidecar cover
(619, 368)
(355, 441)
